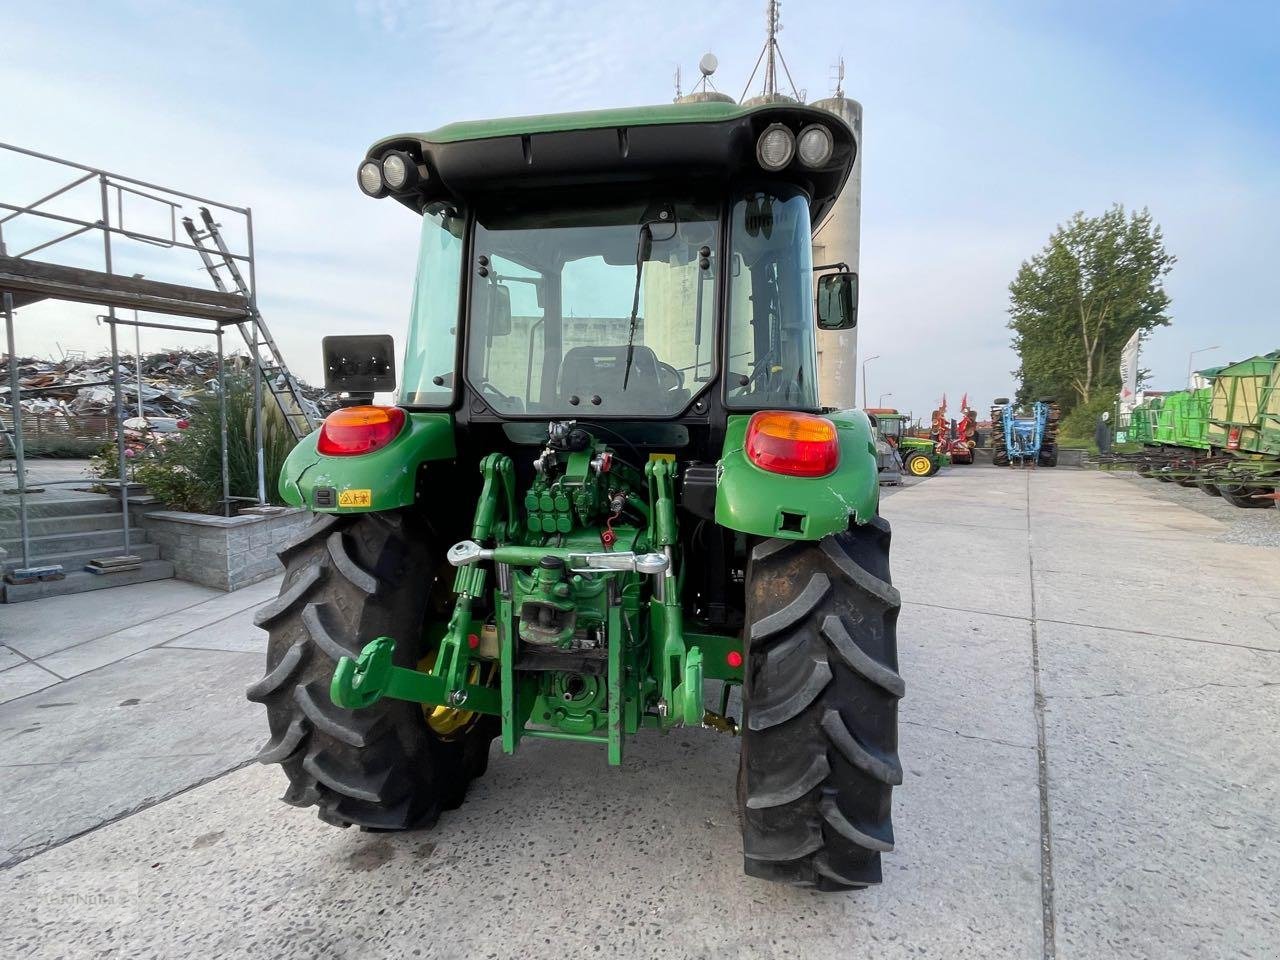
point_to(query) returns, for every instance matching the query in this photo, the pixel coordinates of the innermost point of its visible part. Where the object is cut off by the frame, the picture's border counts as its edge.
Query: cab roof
(677, 143)
(664, 113)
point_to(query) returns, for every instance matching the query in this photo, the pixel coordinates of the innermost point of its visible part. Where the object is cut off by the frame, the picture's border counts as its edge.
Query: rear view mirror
(837, 307)
(359, 364)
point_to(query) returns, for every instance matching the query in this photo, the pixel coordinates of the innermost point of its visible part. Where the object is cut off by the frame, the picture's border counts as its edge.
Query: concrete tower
(835, 240)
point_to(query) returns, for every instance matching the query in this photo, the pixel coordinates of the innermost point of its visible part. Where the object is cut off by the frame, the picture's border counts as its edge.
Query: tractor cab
(889, 423)
(631, 265)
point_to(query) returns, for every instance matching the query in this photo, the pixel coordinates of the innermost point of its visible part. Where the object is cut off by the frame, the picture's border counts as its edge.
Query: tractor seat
(598, 371)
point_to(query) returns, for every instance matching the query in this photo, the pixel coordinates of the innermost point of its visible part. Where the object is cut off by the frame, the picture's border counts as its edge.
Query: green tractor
(920, 456)
(608, 481)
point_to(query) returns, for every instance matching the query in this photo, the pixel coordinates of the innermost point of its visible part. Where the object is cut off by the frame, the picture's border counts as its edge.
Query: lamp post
(1191, 359)
(864, 378)
(880, 402)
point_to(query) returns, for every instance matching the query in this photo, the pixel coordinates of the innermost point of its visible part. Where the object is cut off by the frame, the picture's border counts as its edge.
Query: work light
(814, 145)
(776, 147)
(399, 171)
(371, 179)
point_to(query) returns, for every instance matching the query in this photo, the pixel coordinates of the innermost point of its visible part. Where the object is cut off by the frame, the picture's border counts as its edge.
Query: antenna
(839, 78)
(772, 16)
(771, 56)
(677, 99)
(706, 66)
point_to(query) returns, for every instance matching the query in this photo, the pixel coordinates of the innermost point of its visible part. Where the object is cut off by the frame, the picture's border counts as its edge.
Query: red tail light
(795, 444)
(1233, 438)
(352, 431)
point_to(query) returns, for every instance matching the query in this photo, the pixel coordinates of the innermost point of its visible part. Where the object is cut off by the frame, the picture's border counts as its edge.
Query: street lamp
(1191, 358)
(864, 378)
(880, 402)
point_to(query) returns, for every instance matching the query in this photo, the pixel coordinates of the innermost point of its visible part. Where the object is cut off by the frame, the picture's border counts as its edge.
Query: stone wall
(224, 552)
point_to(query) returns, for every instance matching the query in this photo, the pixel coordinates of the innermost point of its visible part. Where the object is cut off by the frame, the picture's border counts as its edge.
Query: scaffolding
(24, 281)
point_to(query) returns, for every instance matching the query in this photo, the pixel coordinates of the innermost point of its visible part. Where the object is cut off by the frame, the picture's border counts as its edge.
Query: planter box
(223, 552)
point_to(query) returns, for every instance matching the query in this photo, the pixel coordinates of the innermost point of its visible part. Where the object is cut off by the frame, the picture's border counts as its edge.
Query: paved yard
(1089, 747)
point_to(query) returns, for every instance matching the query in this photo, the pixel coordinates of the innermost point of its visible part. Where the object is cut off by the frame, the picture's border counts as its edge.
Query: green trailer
(1176, 449)
(1243, 430)
(608, 481)
(1245, 409)
(1182, 420)
(1141, 422)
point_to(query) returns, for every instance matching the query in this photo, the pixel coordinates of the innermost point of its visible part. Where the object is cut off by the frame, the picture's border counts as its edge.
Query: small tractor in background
(608, 480)
(1027, 435)
(920, 456)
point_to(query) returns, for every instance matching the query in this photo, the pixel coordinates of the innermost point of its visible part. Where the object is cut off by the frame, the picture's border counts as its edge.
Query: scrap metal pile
(172, 383)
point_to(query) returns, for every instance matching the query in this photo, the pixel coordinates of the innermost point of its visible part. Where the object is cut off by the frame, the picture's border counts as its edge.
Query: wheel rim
(450, 723)
(919, 466)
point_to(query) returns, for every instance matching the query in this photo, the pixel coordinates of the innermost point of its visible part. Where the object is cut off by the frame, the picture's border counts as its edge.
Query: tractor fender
(755, 501)
(382, 480)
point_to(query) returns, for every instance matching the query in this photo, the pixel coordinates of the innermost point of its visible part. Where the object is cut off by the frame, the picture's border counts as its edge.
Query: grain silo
(835, 240)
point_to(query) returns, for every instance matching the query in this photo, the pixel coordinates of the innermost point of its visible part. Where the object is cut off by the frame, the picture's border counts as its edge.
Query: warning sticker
(355, 498)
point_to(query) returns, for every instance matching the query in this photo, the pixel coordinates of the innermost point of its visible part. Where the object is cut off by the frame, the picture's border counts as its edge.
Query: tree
(1073, 306)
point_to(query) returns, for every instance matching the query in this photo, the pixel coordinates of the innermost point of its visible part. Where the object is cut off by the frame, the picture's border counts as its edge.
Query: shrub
(186, 473)
(1077, 427)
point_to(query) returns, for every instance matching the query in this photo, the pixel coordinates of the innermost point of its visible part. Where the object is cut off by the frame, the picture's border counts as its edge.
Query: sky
(986, 124)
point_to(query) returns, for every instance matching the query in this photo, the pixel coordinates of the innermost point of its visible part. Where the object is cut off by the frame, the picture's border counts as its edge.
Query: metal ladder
(300, 414)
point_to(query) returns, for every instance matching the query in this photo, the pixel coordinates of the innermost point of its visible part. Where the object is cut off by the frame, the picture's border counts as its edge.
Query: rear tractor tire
(349, 579)
(999, 443)
(819, 754)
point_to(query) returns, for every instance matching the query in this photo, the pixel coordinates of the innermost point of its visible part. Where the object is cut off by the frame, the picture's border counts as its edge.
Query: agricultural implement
(1224, 438)
(957, 438)
(1164, 437)
(607, 483)
(920, 456)
(1024, 436)
(1243, 432)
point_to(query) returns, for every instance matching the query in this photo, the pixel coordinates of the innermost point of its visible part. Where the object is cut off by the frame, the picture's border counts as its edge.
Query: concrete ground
(112, 700)
(1088, 741)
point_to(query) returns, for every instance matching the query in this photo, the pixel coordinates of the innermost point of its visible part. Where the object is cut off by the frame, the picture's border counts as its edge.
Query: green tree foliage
(1074, 305)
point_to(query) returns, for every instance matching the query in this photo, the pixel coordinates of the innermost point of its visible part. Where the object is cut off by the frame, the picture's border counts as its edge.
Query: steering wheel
(490, 390)
(669, 377)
